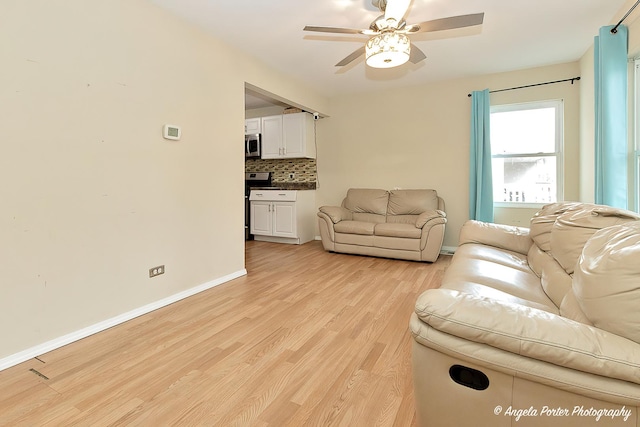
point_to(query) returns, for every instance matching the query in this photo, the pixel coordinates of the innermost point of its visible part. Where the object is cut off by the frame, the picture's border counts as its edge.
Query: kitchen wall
(92, 195)
(418, 137)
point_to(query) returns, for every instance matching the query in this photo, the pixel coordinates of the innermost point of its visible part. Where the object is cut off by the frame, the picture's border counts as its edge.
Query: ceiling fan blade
(353, 56)
(416, 54)
(446, 23)
(333, 30)
(396, 9)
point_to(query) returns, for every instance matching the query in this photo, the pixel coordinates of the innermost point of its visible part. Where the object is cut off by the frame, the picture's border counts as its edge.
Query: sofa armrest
(530, 332)
(507, 237)
(431, 215)
(337, 213)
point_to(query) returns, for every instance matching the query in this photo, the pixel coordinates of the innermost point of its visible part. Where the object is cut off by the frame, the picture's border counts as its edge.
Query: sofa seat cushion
(408, 231)
(355, 227)
(497, 269)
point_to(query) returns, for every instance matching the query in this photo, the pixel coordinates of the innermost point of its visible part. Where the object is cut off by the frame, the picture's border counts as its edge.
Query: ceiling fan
(389, 45)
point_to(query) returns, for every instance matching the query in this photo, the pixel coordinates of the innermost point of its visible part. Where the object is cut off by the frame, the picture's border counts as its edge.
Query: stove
(252, 180)
(256, 179)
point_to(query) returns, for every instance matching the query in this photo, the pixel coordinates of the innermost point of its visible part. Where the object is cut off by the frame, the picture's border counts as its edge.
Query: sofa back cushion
(405, 205)
(607, 280)
(554, 280)
(412, 202)
(543, 220)
(560, 231)
(367, 204)
(573, 228)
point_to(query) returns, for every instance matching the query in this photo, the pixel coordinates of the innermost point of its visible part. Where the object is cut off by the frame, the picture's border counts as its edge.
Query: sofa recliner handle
(469, 377)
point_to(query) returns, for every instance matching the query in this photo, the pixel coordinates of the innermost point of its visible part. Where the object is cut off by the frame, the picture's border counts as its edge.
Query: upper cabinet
(252, 126)
(272, 137)
(288, 136)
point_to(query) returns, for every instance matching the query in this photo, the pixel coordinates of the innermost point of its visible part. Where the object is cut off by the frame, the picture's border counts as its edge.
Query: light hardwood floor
(307, 338)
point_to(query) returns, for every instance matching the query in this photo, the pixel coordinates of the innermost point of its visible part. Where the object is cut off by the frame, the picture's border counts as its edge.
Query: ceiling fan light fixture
(387, 50)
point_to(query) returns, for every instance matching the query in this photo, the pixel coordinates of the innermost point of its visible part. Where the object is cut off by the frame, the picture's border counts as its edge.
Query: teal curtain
(480, 180)
(611, 117)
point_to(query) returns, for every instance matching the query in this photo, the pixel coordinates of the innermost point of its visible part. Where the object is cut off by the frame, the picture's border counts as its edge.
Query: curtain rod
(615, 29)
(536, 84)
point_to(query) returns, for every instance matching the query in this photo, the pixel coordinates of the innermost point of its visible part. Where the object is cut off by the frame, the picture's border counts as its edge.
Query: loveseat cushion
(354, 227)
(398, 230)
(573, 228)
(412, 202)
(607, 280)
(367, 200)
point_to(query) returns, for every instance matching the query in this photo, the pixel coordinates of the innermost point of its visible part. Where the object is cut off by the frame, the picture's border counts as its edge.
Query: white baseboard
(53, 344)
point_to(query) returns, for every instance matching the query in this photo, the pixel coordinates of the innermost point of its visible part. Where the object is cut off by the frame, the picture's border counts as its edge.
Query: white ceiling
(516, 34)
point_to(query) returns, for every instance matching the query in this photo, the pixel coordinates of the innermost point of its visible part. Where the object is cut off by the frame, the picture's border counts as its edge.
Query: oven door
(252, 145)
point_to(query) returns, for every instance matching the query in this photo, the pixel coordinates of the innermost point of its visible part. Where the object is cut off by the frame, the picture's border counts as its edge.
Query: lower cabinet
(282, 216)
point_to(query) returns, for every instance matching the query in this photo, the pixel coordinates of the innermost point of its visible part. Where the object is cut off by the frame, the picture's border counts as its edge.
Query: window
(526, 148)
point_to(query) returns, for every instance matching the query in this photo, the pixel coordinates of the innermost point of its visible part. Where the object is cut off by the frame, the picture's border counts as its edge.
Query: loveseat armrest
(337, 213)
(429, 216)
(507, 237)
(529, 332)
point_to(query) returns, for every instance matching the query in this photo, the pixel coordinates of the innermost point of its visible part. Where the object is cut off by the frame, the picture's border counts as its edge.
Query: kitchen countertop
(289, 186)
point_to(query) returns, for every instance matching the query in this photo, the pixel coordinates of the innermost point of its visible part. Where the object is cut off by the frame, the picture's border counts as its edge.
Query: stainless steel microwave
(252, 145)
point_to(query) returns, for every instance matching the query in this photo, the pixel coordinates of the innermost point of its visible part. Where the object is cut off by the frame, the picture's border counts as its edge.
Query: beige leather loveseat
(534, 326)
(404, 224)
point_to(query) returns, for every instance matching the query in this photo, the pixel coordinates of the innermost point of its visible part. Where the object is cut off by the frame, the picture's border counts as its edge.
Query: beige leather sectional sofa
(404, 224)
(534, 326)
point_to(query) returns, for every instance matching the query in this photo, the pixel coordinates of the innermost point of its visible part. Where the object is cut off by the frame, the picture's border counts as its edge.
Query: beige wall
(92, 195)
(418, 137)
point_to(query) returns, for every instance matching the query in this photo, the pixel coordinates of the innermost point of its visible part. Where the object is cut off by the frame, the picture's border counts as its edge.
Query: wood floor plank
(308, 337)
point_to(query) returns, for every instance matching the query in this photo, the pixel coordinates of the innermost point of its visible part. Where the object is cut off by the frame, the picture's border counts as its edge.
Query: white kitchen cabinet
(252, 126)
(283, 216)
(272, 137)
(288, 136)
(261, 221)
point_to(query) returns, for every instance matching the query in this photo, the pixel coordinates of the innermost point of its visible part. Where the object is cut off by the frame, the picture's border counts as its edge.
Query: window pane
(523, 131)
(524, 179)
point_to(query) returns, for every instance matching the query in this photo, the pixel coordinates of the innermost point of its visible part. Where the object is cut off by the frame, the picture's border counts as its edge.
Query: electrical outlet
(292, 175)
(156, 271)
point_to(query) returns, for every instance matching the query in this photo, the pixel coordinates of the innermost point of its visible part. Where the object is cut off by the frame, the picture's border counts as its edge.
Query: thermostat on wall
(171, 132)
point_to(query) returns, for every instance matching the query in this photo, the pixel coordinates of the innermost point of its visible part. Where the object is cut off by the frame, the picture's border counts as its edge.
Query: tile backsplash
(304, 169)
